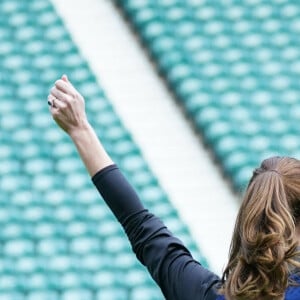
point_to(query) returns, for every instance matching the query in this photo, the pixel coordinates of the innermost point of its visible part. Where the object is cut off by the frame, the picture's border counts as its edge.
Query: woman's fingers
(55, 102)
(59, 94)
(63, 86)
(65, 89)
(67, 106)
(65, 78)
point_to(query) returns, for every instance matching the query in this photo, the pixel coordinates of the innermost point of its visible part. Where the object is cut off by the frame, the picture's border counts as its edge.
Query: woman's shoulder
(292, 292)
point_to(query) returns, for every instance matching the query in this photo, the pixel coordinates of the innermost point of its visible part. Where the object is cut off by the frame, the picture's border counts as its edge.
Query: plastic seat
(145, 16)
(104, 279)
(55, 197)
(68, 165)
(143, 178)
(45, 294)
(77, 181)
(18, 247)
(115, 244)
(134, 5)
(163, 44)
(77, 294)
(26, 265)
(13, 179)
(11, 231)
(12, 295)
(146, 293)
(94, 262)
(12, 122)
(154, 30)
(47, 18)
(52, 246)
(217, 130)
(84, 245)
(132, 163)
(125, 261)
(115, 293)
(96, 212)
(45, 230)
(107, 228)
(152, 195)
(136, 277)
(87, 196)
(40, 5)
(60, 264)
(8, 283)
(179, 72)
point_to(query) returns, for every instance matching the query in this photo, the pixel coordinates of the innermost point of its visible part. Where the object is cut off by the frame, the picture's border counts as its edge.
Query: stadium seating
(234, 68)
(58, 240)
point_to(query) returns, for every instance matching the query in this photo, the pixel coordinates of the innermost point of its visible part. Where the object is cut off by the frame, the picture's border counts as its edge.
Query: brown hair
(263, 249)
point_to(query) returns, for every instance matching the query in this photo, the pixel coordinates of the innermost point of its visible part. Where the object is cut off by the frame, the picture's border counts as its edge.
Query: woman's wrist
(90, 148)
(78, 131)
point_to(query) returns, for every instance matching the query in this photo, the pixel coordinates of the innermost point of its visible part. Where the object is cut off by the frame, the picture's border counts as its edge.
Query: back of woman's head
(264, 245)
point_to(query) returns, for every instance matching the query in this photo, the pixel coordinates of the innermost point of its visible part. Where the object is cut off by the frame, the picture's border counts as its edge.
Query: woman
(263, 261)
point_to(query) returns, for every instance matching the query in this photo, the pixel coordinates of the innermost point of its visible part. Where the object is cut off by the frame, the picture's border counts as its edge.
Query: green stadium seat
(26, 265)
(18, 247)
(46, 294)
(77, 294)
(145, 293)
(12, 231)
(51, 246)
(104, 279)
(136, 277)
(119, 293)
(8, 282)
(12, 295)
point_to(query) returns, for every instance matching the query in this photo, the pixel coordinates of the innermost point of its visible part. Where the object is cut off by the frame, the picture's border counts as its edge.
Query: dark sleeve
(170, 264)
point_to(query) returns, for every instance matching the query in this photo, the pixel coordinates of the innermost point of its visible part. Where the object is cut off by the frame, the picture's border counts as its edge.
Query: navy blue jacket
(170, 264)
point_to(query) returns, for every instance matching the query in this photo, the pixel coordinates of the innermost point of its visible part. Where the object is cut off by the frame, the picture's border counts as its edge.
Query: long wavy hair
(263, 251)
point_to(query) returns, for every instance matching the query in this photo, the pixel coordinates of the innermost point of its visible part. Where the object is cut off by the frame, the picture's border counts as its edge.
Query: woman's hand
(67, 106)
(68, 110)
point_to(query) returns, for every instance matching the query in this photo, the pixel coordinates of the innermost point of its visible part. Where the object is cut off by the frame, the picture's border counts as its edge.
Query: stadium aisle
(184, 168)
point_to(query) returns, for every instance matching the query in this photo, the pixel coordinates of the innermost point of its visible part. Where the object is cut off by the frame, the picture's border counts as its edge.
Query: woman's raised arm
(170, 264)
